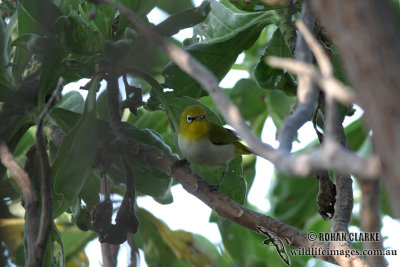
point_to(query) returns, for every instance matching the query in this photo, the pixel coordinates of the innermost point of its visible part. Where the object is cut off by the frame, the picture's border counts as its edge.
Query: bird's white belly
(204, 152)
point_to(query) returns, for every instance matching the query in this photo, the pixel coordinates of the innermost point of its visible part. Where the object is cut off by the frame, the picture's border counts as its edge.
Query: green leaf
(75, 240)
(156, 251)
(249, 98)
(254, 5)
(233, 185)
(76, 154)
(173, 6)
(217, 57)
(270, 78)
(72, 101)
(26, 25)
(25, 142)
(5, 74)
(104, 18)
(222, 23)
(356, 134)
(245, 247)
(56, 238)
(79, 36)
(44, 13)
(141, 8)
(293, 200)
(185, 246)
(184, 19)
(90, 191)
(280, 106)
(50, 73)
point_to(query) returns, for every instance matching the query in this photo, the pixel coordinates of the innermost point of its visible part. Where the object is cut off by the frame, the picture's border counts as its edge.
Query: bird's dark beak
(200, 117)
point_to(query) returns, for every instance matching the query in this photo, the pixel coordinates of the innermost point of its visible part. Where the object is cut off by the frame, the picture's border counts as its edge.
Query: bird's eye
(189, 118)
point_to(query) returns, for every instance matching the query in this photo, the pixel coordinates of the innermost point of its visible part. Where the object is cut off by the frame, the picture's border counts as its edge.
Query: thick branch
(222, 204)
(370, 220)
(28, 194)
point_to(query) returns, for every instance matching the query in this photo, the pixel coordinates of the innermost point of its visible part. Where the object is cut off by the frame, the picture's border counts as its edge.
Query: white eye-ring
(189, 118)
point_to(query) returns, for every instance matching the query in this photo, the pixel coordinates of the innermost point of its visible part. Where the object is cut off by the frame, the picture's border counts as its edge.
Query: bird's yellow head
(193, 124)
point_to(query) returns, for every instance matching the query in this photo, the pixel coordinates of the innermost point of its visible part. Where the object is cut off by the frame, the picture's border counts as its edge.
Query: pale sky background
(192, 215)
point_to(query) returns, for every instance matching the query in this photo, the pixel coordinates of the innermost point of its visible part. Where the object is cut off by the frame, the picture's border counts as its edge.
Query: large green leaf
(223, 36)
(76, 154)
(356, 134)
(268, 77)
(104, 18)
(293, 200)
(51, 71)
(173, 6)
(72, 101)
(164, 247)
(217, 57)
(74, 240)
(184, 19)
(223, 24)
(156, 251)
(26, 25)
(5, 74)
(141, 8)
(249, 98)
(79, 36)
(254, 5)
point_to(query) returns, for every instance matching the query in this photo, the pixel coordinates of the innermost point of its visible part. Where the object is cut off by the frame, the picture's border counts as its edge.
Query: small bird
(206, 143)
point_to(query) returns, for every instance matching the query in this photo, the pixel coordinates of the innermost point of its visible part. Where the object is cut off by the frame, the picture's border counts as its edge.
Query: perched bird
(206, 143)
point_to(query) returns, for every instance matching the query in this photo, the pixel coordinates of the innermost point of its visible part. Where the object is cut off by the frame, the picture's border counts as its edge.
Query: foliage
(41, 40)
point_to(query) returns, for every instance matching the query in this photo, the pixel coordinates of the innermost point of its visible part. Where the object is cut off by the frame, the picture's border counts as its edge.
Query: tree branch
(370, 220)
(306, 91)
(329, 85)
(222, 204)
(29, 196)
(344, 197)
(46, 220)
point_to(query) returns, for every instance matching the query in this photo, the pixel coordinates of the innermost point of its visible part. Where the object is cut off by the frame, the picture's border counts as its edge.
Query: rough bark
(367, 35)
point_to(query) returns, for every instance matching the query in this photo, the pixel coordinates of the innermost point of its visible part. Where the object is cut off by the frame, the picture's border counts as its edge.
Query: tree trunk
(368, 37)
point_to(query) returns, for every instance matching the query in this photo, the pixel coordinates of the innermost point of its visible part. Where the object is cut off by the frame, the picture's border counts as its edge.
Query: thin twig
(113, 105)
(322, 59)
(326, 70)
(109, 253)
(306, 91)
(329, 85)
(46, 220)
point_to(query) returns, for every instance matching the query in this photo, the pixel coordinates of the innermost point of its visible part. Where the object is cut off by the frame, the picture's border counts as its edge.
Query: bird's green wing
(222, 136)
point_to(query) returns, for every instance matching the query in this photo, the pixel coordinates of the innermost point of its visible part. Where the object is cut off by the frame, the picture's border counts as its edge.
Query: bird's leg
(178, 163)
(224, 170)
